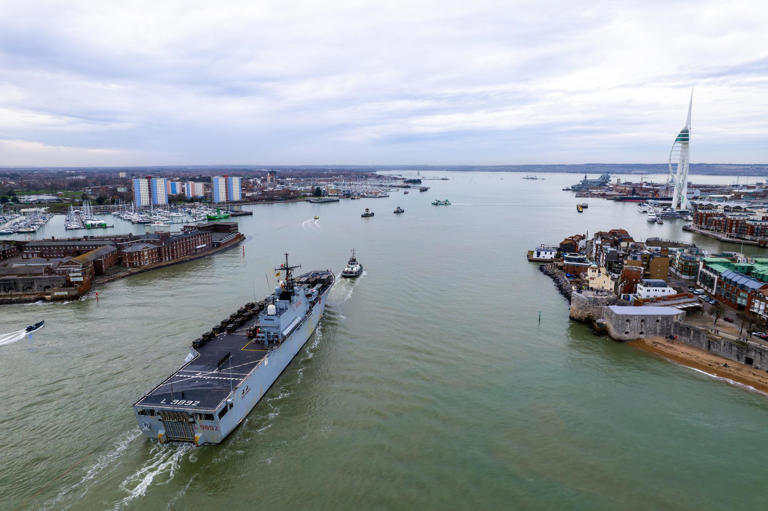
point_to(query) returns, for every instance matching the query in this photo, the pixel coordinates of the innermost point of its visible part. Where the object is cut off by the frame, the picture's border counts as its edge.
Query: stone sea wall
(561, 282)
(751, 353)
(589, 307)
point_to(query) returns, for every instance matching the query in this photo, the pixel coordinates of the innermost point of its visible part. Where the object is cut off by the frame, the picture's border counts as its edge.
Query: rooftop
(653, 283)
(644, 310)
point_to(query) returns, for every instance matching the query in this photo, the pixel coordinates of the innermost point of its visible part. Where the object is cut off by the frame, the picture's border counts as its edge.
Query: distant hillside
(728, 169)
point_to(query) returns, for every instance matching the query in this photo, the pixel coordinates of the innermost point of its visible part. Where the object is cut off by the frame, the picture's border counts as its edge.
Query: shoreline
(720, 237)
(700, 360)
(105, 279)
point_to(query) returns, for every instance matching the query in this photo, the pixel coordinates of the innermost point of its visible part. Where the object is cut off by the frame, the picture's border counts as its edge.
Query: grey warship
(232, 366)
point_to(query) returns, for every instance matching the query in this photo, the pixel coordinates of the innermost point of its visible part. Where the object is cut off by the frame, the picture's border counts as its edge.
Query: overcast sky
(326, 82)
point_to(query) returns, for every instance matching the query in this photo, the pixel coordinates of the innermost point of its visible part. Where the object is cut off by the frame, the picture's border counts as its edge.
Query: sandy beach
(704, 361)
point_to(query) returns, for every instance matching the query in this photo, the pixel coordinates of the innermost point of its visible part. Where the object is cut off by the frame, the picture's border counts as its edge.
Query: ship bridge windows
(205, 416)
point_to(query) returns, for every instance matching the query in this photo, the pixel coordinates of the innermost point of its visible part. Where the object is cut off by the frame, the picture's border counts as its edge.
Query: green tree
(318, 192)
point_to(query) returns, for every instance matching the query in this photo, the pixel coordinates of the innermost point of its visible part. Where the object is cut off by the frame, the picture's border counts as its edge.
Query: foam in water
(164, 459)
(110, 459)
(311, 225)
(12, 337)
(728, 380)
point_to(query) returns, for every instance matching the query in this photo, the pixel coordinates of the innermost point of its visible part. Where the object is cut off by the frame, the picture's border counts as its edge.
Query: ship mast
(288, 273)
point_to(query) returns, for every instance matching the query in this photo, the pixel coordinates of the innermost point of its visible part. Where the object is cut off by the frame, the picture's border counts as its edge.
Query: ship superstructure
(231, 367)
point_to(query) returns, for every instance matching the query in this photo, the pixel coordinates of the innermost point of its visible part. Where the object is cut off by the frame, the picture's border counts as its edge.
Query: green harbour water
(430, 384)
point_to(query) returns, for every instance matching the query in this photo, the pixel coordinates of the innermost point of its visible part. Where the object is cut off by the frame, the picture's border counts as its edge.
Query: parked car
(712, 301)
(691, 289)
(698, 291)
(761, 335)
(728, 319)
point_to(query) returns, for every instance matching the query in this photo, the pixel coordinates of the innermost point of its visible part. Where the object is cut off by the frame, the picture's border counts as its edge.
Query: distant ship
(367, 213)
(218, 215)
(231, 367)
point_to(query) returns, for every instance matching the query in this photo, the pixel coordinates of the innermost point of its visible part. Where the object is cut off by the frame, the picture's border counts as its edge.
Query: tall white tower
(679, 157)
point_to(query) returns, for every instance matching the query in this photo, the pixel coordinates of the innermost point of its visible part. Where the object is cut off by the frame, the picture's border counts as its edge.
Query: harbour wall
(747, 352)
(622, 328)
(588, 306)
(561, 281)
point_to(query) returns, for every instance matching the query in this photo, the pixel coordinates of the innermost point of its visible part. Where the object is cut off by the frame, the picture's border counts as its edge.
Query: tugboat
(353, 269)
(398, 210)
(232, 366)
(35, 327)
(438, 202)
(367, 213)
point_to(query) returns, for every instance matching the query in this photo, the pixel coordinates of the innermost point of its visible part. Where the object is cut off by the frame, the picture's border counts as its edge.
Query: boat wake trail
(311, 225)
(164, 461)
(342, 291)
(105, 462)
(12, 337)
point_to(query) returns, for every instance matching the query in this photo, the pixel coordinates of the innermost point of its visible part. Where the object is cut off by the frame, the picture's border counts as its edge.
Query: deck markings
(246, 345)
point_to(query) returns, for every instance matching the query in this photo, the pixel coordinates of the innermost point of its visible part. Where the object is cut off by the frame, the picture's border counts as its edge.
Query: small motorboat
(353, 269)
(367, 213)
(405, 192)
(317, 217)
(659, 220)
(399, 210)
(584, 205)
(35, 327)
(579, 208)
(438, 202)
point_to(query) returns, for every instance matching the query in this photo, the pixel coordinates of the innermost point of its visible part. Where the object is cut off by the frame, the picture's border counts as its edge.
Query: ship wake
(163, 462)
(311, 225)
(105, 464)
(12, 337)
(342, 291)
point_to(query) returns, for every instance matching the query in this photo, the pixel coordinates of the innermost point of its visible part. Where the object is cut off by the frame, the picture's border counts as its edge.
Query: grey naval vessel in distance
(231, 367)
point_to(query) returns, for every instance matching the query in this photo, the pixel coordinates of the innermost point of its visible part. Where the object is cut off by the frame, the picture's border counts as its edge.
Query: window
(223, 411)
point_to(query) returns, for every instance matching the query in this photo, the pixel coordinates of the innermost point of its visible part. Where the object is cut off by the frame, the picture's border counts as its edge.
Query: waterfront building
(575, 265)
(175, 187)
(599, 279)
(234, 188)
(271, 178)
(748, 226)
(685, 262)
(8, 250)
(193, 190)
(150, 191)
(542, 253)
(625, 323)
(219, 189)
(653, 288)
(226, 188)
(736, 284)
(658, 265)
(679, 157)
